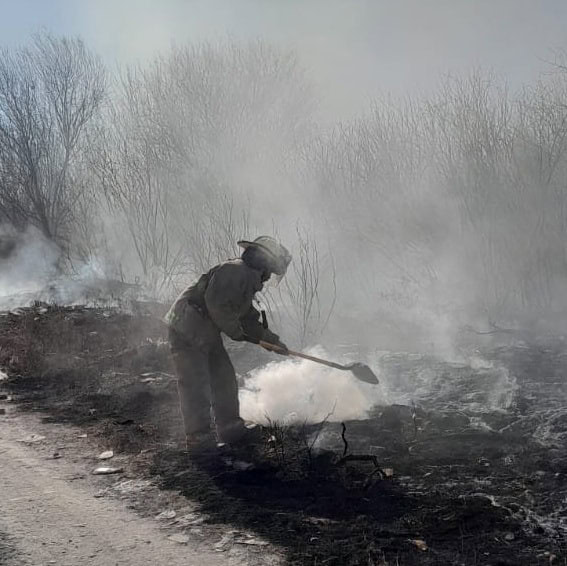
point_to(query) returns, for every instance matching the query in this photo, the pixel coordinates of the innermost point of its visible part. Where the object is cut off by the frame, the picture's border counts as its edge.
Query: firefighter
(221, 301)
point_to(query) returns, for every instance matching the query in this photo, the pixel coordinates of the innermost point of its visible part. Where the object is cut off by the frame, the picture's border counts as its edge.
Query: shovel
(361, 371)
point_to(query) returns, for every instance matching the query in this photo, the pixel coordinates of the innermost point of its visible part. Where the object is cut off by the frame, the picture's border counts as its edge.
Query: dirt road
(45, 518)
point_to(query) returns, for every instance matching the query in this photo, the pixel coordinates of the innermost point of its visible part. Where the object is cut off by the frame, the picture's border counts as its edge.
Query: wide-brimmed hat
(278, 255)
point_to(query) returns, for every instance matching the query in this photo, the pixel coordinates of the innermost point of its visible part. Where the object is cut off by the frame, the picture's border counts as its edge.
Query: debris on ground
(221, 545)
(106, 455)
(179, 538)
(190, 520)
(250, 540)
(421, 544)
(32, 439)
(106, 471)
(164, 515)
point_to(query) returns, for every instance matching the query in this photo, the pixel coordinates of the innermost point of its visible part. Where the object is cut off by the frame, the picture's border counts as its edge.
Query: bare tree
(212, 226)
(503, 163)
(49, 92)
(133, 168)
(307, 298)
(183, 138)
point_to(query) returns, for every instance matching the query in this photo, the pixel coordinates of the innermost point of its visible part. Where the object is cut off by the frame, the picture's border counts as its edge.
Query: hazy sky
(354, 48)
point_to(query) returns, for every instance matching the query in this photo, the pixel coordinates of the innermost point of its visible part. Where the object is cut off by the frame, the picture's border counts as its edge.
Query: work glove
(274, 339)
(251, 339)
(283, 350)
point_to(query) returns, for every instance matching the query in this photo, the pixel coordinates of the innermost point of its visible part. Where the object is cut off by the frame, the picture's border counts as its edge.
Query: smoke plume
(301, 391)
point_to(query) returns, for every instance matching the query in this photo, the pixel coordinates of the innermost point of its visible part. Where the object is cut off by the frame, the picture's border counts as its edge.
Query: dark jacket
(220, 301)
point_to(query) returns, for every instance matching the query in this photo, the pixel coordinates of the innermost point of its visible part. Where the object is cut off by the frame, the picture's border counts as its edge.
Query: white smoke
(28, 264)
(29, 272)
(301, 391)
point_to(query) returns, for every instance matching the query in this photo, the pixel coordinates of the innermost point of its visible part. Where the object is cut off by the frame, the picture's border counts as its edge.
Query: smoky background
(414, 218)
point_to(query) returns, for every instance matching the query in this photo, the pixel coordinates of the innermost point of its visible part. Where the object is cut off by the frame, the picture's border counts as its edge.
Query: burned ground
(472, 460)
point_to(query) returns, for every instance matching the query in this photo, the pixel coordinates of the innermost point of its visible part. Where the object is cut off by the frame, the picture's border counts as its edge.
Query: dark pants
(205, 380)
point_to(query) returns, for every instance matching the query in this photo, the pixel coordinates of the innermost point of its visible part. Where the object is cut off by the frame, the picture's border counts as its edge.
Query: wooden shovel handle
(279, 350)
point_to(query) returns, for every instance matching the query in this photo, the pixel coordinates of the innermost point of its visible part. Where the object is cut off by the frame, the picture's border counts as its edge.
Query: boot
(200, 443)
(239, 434)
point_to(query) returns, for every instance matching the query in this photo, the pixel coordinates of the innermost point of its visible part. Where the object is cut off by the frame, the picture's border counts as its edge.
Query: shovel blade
(363, 373)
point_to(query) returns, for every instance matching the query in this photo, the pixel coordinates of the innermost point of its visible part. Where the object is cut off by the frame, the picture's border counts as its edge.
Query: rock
(179, 538)
(509, 536)
(166, 515)
(105, 471)
(106, 455)
(419, 543)
(32, 438)
(190, 519)
(253, 542)
(219, 546)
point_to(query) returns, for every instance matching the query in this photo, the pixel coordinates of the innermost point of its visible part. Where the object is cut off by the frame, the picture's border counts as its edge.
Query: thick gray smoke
(294, 392)
(300, 391)
(27, 263)
(414, 219)
(31, 270)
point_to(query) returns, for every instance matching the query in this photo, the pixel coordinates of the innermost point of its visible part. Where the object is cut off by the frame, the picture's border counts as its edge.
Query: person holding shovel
(221, 302)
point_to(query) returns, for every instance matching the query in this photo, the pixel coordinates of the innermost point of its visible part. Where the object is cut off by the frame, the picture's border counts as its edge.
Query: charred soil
(469, 467)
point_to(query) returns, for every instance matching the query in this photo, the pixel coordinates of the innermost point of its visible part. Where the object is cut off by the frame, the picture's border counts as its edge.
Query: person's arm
(255, 331)
(252, 326)
(228, 293)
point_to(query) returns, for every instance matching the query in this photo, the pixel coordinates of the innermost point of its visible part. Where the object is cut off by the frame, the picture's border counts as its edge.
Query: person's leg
(224, 389)
(193, 386)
